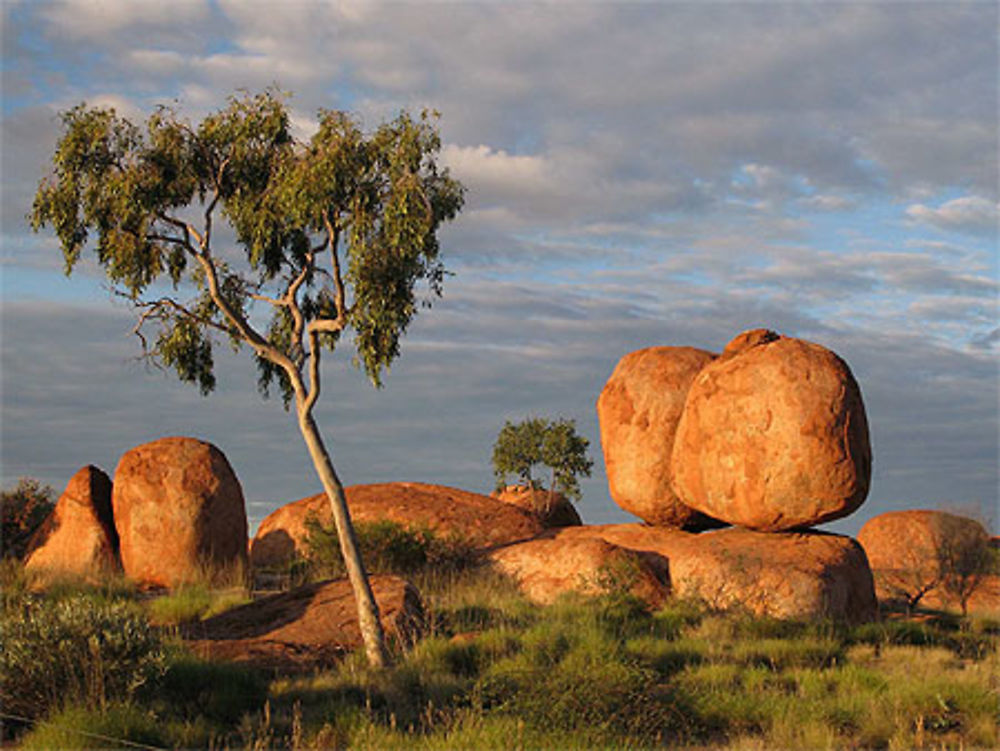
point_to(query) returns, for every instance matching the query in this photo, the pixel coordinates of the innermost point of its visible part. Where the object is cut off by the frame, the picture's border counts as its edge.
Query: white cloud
(102, 19)
(966, 214)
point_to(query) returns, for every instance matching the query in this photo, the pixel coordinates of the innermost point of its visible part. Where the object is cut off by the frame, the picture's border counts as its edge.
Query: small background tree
(23, 509)
(533, 443)
(329, 236)
(965, 558)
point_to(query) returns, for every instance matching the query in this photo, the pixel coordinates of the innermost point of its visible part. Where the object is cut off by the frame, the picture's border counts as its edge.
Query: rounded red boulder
(179, 511)
(639, 409)
(773, 436)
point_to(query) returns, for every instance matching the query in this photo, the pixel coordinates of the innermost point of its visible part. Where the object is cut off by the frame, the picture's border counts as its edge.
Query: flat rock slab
(786, 575)
(479, 520)
(550, 566)
(309, 627)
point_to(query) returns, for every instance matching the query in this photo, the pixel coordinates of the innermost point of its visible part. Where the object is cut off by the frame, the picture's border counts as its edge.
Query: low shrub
(79, 649)
(387, 548)
(84, 727)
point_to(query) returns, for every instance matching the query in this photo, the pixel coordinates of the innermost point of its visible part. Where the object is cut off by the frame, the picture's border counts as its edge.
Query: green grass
(495, 671)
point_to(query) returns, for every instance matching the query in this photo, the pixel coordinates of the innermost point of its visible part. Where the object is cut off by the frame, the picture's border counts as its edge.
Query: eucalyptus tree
(538, 442)
(330, 237)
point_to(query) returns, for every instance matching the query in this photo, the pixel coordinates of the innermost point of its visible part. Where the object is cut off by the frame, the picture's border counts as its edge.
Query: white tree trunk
(368, 615)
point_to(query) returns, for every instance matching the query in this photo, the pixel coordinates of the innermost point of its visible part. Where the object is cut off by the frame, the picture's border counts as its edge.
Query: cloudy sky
(638, 174)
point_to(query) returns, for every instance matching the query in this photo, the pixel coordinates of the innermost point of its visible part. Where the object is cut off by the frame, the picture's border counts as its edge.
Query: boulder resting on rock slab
(307, 628)
(552, 509)
(178, 509)
(639, 409)
(78, 538)
(477, 519)
(773, 436)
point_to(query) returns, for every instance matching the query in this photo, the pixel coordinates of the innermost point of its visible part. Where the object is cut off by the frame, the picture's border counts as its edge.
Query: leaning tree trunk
(368, 615)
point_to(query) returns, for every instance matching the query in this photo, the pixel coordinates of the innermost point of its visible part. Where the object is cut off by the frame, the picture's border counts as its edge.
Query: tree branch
(339, 300)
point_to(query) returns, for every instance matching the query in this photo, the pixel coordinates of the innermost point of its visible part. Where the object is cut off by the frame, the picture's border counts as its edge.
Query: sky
(638, 174)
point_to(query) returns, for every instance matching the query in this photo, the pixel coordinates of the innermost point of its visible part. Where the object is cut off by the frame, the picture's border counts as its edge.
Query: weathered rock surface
(773, 436)
(785, 575)
(904, 550)
(178, 508)
(549, 566)
(478, 519)
(552, 509)
(310, 627)
(78, 538)
(639, 409)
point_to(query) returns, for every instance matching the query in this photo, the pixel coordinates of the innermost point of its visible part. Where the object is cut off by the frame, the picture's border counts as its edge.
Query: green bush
(387, 548)
(82, 727)
(79, 649)
(217, 691)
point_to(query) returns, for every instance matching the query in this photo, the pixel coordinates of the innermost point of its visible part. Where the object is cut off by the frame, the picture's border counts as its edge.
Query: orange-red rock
(639, 409)
(478, 519)
(310, 627)
(178, 508)
(553, 509)
(785, 575)
(773, 436)
(904, 547)
(78, 538)
(547, 567)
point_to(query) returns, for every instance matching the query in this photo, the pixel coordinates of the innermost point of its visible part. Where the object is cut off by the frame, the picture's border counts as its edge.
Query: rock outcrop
(178, 508)
(546, 567)
(773, 436)
(786, 575)
(905, 550)
(479, 520)
(639, 409)
(78, 539)
(310, 627)
(552, 509)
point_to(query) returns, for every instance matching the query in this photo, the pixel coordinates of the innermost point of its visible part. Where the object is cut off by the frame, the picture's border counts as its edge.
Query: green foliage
(22, 511)
(387, 548)
(216, 691)
(520, 447)
(79, 649)
(371, 203)
(83, 727)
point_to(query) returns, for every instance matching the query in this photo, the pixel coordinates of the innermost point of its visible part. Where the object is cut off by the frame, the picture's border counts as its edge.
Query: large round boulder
(78, 538)
(179, 512)
(805, 575)
(773, 436)
(638, 410)
(478, 520)
(553, 509)
(910, 551)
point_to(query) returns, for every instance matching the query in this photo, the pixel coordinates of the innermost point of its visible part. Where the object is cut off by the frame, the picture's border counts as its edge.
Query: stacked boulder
(174, 512)
(770, 436)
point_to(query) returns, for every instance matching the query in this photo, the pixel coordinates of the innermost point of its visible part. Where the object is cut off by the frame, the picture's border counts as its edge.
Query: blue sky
(638, 174)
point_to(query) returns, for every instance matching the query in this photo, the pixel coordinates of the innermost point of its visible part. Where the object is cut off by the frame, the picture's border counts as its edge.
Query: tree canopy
(538, 442)
(378, 199)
